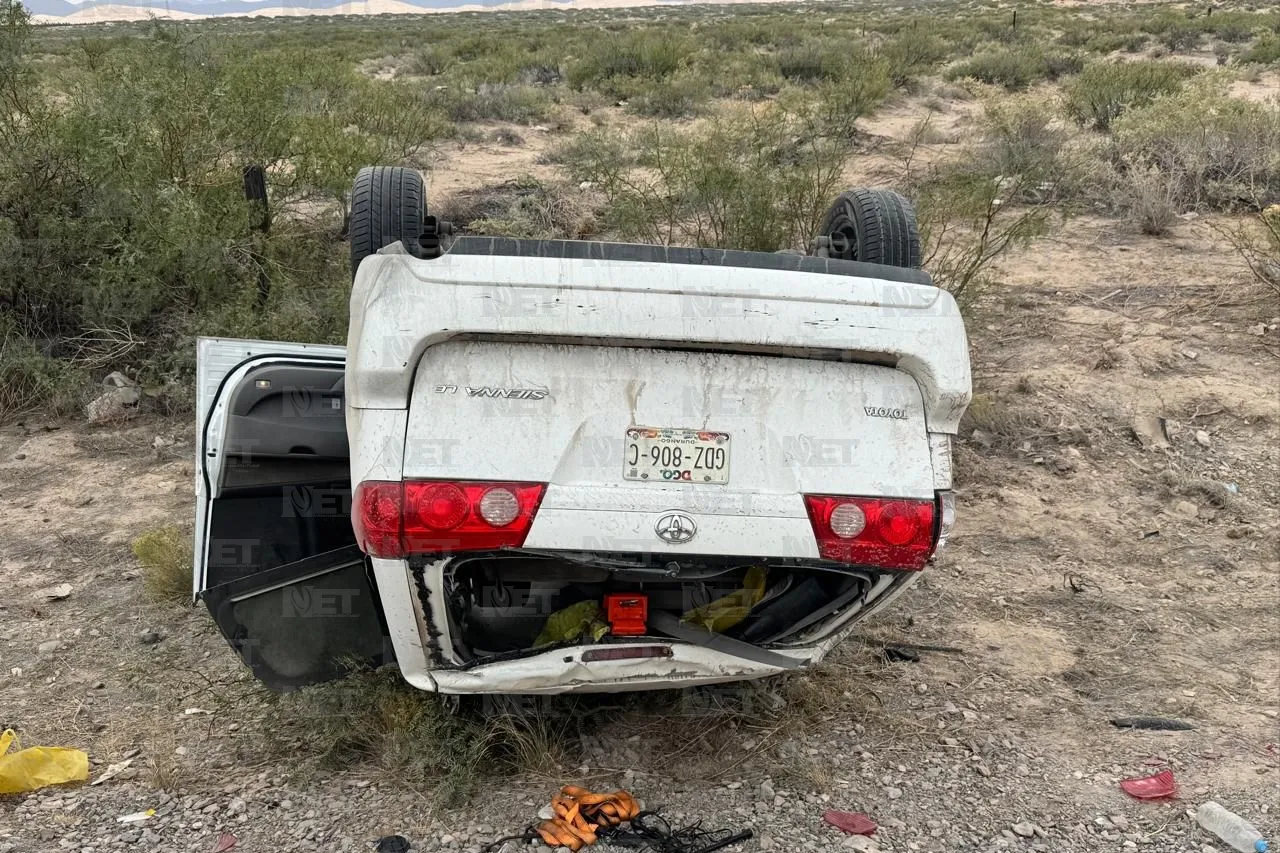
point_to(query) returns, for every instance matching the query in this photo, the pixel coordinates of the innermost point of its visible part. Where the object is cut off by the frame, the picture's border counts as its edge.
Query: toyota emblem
(676, 528)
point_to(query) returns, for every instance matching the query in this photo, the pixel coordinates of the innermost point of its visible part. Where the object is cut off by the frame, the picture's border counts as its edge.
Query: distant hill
(88, 11)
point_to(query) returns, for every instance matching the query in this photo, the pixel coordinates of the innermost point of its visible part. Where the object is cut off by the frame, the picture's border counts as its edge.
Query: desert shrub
(744, 77)
(1023, 139)
(641, 53)
(31, 380)
(814, 61)
(1264, 51)
(1016, 68)
(1180, 38)
(430, 61)
(974, 208)
(524, 208)
(122, 194)
(491, 102)
(915, 50)
(1104, 90)
(1257, 240)
(834, 108)
(165, 555)
(375, 719)
(682, 95)
(1219, 152)
(756, 179)
(1149, 197)
(966, 225)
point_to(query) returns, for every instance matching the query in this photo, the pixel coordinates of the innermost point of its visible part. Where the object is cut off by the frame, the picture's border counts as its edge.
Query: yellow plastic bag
(571, 623)
(725, 612)
(38, 766)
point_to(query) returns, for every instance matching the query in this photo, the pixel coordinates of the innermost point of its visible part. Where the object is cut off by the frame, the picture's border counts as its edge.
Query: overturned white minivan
(549, 466)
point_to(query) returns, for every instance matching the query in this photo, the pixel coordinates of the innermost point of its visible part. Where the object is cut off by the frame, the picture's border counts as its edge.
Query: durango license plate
(660, 454)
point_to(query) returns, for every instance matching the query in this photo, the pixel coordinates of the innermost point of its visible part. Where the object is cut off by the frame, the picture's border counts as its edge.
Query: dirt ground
(1095, 574)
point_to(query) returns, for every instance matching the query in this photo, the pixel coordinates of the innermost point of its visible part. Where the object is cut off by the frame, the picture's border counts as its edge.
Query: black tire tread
(880, 226)
(387, 205)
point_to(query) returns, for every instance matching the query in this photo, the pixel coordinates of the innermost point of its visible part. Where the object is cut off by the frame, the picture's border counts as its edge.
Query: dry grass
(166, 558)
(374, 720)
(377, 722)
(524, 208)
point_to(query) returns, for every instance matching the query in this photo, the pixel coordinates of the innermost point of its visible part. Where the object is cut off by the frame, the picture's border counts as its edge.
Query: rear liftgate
(277, 563)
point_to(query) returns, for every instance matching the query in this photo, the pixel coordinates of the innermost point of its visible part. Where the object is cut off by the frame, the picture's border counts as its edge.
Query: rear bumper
(563, 671)
(418, 627)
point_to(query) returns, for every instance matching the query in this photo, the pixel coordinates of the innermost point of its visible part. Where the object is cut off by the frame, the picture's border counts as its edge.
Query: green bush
(430, 61)
(914, 51)
(122, 202)
(813, 62)
(681, 96)
(1265, 51)
(641, 53)
(1104, 90)
(491, 102)
(1024, 141)
(1016, 68)
(755, 179)
(31, 380)
(1180, 38)
(1216, 151)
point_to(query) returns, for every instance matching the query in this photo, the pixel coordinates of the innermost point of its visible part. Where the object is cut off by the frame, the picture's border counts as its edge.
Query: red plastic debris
(853, 823)
(1158, 787)
(225, 842)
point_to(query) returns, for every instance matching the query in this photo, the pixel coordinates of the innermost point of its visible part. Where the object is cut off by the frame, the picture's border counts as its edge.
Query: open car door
(275, 558)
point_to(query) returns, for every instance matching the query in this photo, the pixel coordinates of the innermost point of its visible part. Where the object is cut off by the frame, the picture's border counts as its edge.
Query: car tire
(388, 204)
(873, 226)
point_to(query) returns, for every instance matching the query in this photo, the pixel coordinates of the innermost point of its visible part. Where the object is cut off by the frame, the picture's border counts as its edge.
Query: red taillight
(375, 516)
(439, 516)
(895, 534)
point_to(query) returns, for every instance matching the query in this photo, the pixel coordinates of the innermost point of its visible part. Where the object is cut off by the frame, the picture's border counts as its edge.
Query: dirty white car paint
(486, 367)
(592, 336)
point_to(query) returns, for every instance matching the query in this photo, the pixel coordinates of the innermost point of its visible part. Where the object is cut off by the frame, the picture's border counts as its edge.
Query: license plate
(664, 455)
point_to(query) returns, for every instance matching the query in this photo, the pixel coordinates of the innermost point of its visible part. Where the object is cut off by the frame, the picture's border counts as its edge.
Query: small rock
(1202, 438)
(860, 842)
(983, 770)
(1024, 829)
(116, 404)
(150, 638)
(1119, 821)
(893, 793)
(766, 791)
(236, 806)
(48, 647)
(1186, 508)
(116, 379)
(1260, 329)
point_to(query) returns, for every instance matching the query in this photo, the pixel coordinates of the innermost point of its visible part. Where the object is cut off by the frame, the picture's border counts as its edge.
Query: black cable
(650, 830)
(528, 835)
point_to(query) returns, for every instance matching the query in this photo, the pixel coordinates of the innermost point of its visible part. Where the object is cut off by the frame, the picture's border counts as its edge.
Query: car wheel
(388, 204)
(872, 226)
